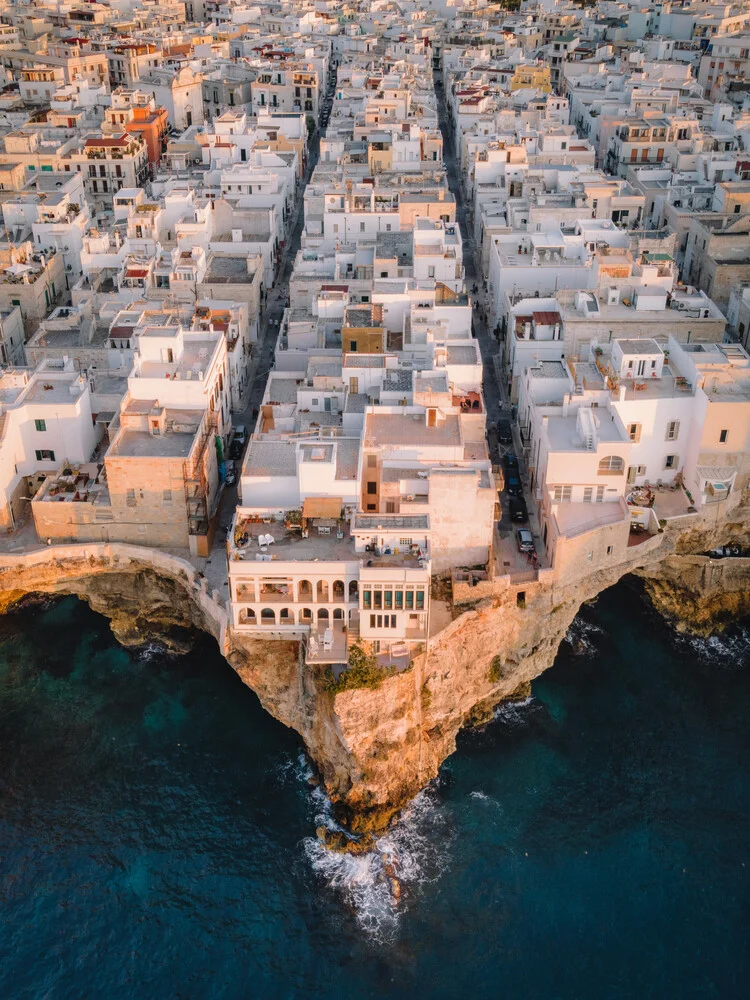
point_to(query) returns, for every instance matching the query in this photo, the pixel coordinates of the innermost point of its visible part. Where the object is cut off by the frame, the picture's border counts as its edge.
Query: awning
(322, 507)
(717, 473)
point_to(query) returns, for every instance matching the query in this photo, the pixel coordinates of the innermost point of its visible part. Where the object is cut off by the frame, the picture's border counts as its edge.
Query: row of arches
(286, 616)
(338, 591)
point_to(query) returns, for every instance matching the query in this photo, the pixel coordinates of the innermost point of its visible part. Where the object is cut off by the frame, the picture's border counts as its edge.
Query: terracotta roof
(108, 141)
(546, 318)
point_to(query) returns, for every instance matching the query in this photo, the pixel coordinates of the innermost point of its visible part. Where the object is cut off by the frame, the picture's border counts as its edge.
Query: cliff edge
(375, 748)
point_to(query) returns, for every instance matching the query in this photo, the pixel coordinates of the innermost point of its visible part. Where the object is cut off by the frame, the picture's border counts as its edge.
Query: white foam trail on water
(415, 852)
(482, 796)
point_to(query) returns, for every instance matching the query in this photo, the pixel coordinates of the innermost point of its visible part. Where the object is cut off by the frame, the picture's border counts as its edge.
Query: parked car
(230, 473)
(524, 540)
(504, 433)
(517, 509)
(511, 463)
(513, 485)
(240, 434)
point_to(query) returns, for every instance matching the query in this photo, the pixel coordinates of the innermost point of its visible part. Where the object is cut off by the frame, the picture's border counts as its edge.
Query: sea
(157, 830)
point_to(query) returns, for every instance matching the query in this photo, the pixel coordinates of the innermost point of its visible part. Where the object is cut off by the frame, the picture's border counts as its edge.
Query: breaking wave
(379, 885)
(729, 649)
(514, 713)
(583, 637)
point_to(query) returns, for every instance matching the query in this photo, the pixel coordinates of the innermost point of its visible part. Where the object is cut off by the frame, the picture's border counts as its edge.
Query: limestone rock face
(375, 748)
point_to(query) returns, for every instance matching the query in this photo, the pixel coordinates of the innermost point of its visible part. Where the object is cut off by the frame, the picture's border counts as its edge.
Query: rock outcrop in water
(375, 749)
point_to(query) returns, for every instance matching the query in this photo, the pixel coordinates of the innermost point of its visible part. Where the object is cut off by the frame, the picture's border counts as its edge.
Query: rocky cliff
(375, 748)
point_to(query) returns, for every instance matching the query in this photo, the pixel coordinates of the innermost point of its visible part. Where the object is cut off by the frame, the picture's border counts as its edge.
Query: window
(634, 471)
(588, 494)
(673, 429)
(399, 600)
(723, 435)
(361, 227)
(611, 465)
(44, 455)
(562, 493)
(372, 461)
(409, 600)
(599, 494)
(388, 599)
(41, 425)
(670, 462)
(366, 599)
(371, 506)
(610, 549)
(166, 498)
(634, 432)
(130, 498)
(406, 542)
(372, 488)
(420, 600)
(431, 271)
(378, 599)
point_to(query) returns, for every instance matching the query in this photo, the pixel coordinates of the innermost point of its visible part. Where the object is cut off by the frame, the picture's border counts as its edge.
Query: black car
(511, 463)
(504, 433)
(235, 449)
(513, 485)
(517, 509)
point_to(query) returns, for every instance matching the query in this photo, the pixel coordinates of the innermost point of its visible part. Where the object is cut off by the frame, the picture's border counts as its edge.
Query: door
(327, 404)
(641, 367)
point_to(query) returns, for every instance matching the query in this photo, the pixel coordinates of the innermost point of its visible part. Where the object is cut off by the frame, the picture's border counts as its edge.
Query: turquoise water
(157, 831)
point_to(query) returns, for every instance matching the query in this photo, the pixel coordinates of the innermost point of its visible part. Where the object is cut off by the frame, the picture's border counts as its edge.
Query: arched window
(304, 590)
(338, 590)
(321, 591)
(353, 590)
(323, 615)
(338, 613)
(286, 617)
(247, 616)
(306, 615)
(268, 616)
(611, 465)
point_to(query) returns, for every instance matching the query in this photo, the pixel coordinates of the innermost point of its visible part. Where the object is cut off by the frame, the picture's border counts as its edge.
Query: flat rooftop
(563, 433)
(141, 444)
(228, 270)
(383, 429)
(53, 389)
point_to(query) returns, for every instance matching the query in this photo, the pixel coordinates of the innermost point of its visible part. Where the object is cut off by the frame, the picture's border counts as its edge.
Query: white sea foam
(378, 885)
(152, 651)
(514, 713)
(726, 649)
(583, 637)
(482, 796)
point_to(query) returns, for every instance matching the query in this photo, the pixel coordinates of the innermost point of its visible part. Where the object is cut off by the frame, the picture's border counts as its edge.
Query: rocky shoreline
(376, 748)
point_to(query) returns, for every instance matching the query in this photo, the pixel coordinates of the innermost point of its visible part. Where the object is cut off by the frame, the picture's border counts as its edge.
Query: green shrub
(363, 672)
(496, 669)
(426, 696)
